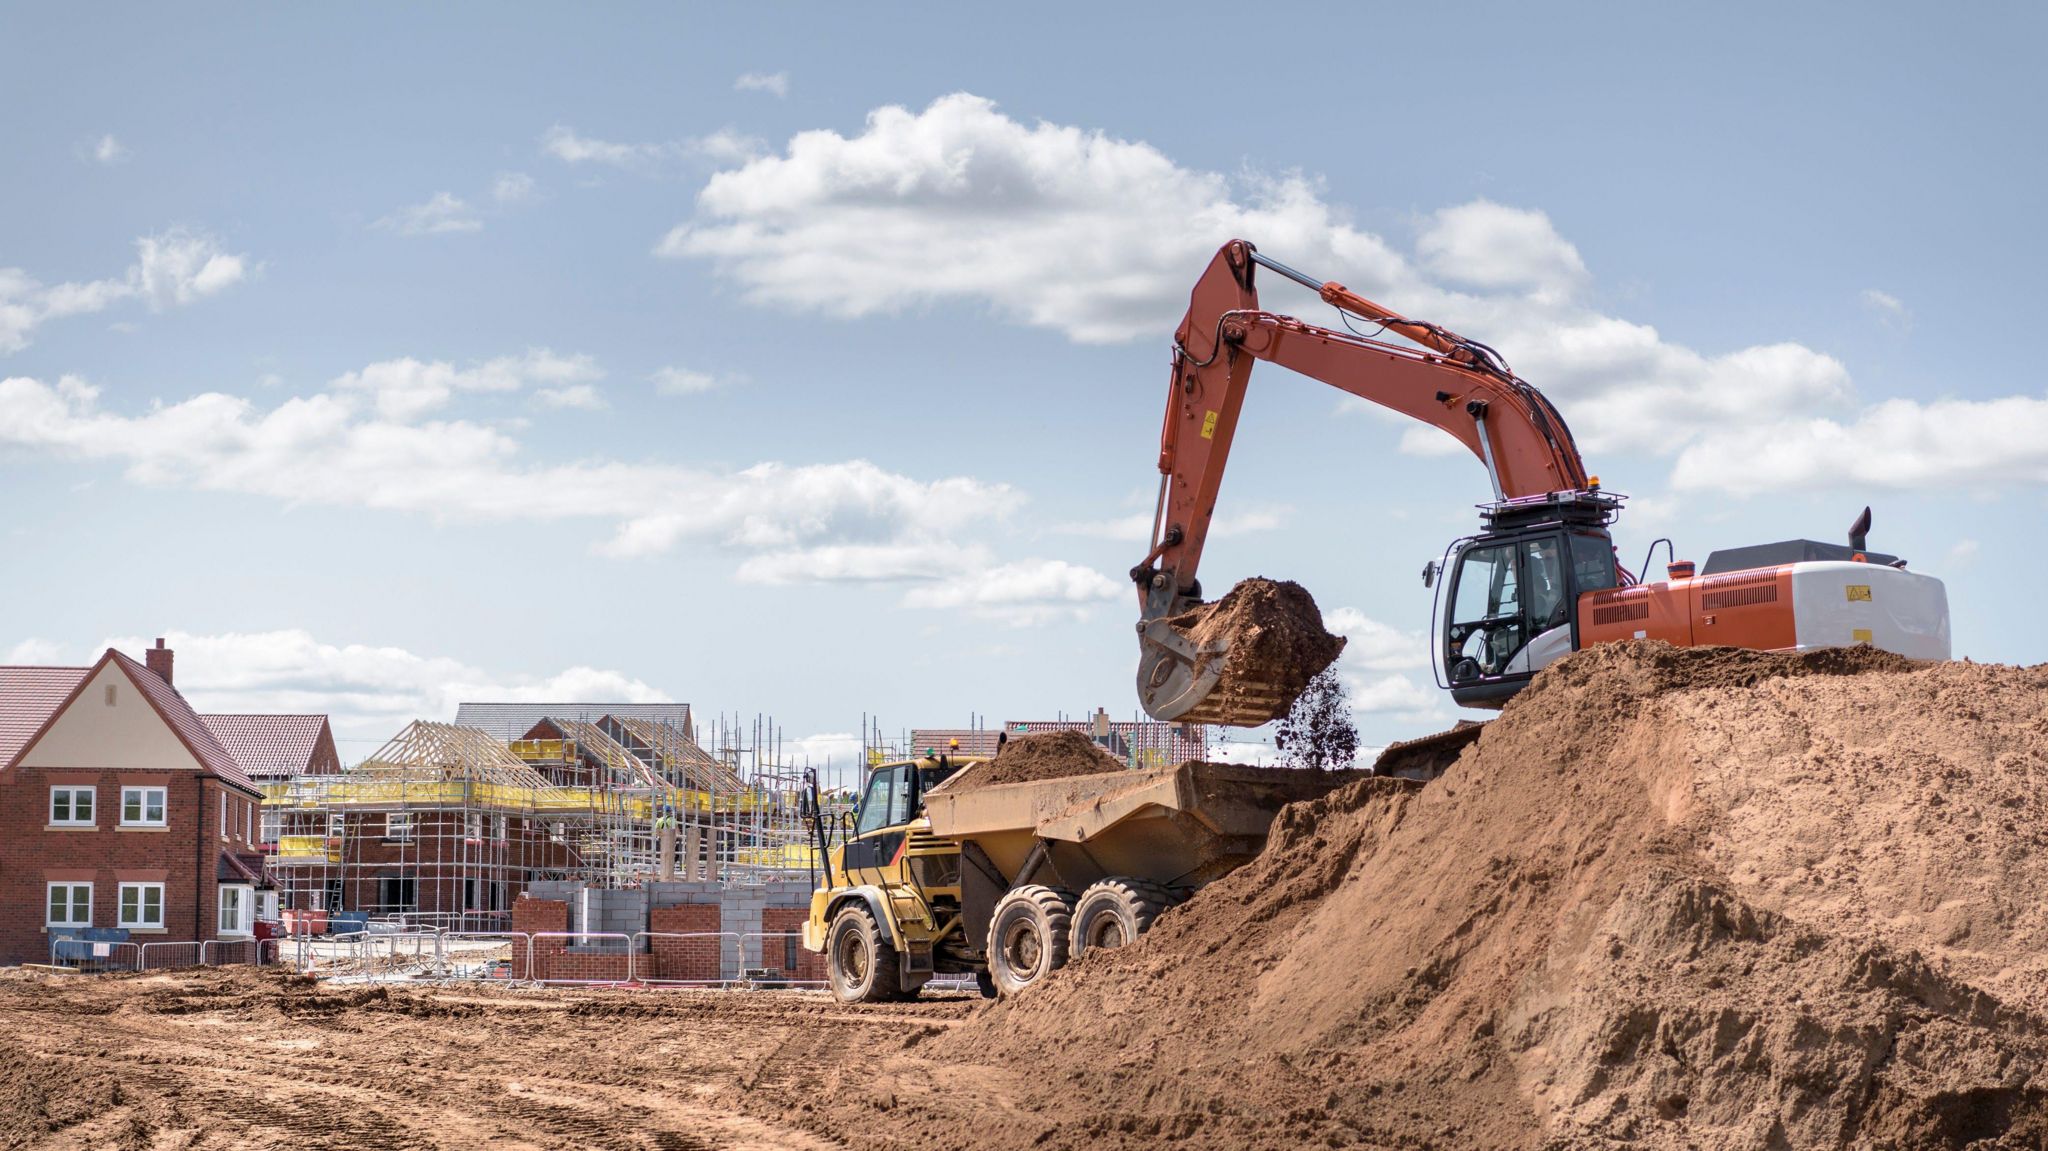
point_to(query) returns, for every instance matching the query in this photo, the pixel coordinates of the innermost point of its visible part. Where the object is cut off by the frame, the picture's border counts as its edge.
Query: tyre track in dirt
(218, 1059)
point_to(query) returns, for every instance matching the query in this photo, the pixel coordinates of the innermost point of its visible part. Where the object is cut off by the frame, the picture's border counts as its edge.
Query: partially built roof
(428, 752)
(509, 721)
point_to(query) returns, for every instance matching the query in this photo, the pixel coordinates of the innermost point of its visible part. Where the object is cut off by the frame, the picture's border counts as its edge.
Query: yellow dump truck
(933, 874)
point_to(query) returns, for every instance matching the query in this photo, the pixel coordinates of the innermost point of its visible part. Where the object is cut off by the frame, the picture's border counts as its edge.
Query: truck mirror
(1429, 574)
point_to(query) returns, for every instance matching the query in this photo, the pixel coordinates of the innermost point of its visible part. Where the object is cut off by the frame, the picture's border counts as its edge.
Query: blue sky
(809, 361)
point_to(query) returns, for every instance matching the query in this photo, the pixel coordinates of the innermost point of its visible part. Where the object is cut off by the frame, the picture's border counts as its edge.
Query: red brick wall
(183, 855)
(810, 965)
(696, 959)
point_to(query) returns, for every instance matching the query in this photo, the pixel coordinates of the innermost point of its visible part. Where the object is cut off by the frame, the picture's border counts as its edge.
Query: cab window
(887, 801)
(1485, 626)
(1592, 563)
(1543, 569)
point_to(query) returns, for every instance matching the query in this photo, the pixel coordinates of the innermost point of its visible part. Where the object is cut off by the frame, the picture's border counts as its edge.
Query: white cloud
(895, 562)
(369, 692)
(513, 188)
(331, 448)
(774, 83)
(725, 146)
(405, 389)
(674, 381)
(1375, 646)
(1889, 309)
(1486, 245)
(443, 214)
(1100, 239)
(1896, 444)
(1137, 526)
(172, 268)
(1023, 594)
(1395, 697)
(565, 145)
(579, 396)
(105, 150)
(1963, 553)
(37, 652)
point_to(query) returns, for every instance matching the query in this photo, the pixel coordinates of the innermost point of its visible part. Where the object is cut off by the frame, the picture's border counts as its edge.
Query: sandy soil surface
(240, 1059)
(1684, 901)
(1041, 755)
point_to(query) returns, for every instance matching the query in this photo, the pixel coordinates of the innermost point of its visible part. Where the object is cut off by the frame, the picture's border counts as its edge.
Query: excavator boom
(1447, 381)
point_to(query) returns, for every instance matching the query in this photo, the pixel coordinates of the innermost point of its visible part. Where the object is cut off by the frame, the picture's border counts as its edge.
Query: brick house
(119, 809)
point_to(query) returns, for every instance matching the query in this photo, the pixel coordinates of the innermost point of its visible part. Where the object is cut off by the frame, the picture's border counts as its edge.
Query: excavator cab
(1508, 604)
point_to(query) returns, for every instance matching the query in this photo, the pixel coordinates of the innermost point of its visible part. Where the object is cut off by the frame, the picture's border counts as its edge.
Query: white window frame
(249, 823)
(71, 793)
(142, 891)
(224, 813)
(71, 904)
(398, 826)
(245, 913)
(163, 806)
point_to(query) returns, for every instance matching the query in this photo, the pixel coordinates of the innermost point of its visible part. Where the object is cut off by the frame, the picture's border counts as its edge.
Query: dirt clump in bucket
(1042, 755)
(1274, 633)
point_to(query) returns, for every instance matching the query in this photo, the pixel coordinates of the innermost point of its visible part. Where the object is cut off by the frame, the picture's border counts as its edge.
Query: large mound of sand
(1669, 899)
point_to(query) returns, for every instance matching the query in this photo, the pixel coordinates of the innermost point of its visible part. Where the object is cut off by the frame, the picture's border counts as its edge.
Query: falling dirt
(1666, 900)
(1042, 755)
(1274, 632)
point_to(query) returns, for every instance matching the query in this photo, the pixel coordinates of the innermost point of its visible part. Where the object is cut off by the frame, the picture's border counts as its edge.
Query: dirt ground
(235, 1058)
(1680, 900)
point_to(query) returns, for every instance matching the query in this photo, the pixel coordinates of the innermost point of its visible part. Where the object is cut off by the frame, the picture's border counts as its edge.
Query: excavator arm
(1445, 380)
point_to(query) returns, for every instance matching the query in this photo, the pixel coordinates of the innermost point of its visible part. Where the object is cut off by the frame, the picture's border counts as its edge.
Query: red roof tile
(274, 746)
(28, 697)
(183, 720)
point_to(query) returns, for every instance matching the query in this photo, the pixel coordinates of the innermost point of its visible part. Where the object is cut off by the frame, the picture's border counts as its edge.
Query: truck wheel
(985, 984)
(1027, 936)
(861, 965)
(1115, 911)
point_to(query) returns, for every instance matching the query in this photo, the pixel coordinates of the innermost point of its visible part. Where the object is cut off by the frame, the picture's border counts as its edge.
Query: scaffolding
(445, 825)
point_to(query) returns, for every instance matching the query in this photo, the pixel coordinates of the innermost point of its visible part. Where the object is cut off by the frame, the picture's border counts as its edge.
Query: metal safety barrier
(533, 944)
(159, 956)
(474, 954)
(221, 952)
(736, 955)
(94, 956)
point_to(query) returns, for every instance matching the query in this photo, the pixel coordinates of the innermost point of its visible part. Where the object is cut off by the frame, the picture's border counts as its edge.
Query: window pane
(131, 899)
(155, 806)
(1592, 563)
(81, 805)
(60, 905)
(1486, 584)
(1545, 574)
(131, 806)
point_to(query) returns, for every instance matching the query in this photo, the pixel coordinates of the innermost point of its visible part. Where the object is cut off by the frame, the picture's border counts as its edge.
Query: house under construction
(448, 824)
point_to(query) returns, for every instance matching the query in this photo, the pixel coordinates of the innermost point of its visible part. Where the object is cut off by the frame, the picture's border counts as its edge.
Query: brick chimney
(158, 660)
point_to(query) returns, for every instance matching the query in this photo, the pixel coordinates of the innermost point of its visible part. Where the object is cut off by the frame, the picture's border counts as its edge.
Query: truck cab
(887, 912)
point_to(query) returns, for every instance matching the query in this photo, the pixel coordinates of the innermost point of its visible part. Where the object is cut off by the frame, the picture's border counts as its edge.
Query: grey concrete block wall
(623, 911)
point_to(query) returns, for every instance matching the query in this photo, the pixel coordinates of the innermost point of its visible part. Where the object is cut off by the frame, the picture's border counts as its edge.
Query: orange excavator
(1539, 580)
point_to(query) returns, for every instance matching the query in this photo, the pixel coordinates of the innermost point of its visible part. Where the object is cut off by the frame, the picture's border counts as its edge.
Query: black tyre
(1114, 912)
(986, 984)
(1027, 936)
(861, 965)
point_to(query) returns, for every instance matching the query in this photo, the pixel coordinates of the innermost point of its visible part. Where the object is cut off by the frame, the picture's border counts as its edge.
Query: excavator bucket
(1180, 681)
(1240, 661)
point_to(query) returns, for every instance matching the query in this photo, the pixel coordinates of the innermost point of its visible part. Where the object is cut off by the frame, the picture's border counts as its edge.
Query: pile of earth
(1274, 635)
(1042, 755)
(1669, 899)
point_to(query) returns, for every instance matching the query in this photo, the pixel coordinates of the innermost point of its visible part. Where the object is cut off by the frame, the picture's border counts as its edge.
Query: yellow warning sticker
(1861, 635)
(1209, 433)
(1859, 591)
